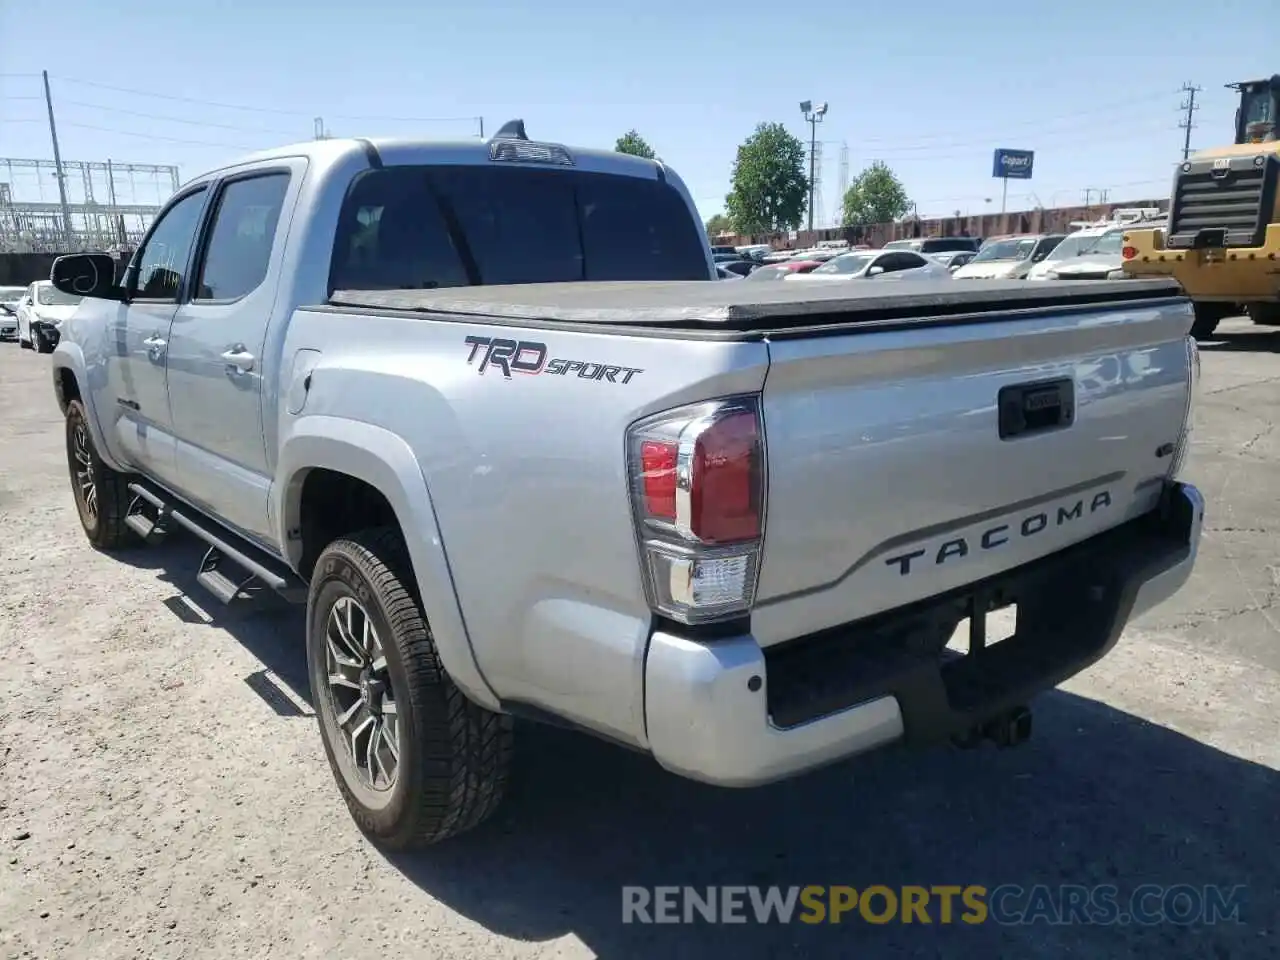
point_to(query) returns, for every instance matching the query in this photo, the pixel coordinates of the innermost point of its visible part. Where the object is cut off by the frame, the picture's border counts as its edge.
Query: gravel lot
(163, 790)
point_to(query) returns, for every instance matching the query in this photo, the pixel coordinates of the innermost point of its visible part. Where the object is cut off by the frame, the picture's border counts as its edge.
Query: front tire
(101, 494)
(41, 343)
(415, 760)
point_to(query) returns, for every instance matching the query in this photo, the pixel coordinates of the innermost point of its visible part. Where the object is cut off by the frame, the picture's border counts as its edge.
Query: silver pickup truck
(482, 407)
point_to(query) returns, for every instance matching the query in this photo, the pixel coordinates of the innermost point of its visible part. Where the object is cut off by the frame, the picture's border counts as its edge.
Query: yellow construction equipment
(1222, 239)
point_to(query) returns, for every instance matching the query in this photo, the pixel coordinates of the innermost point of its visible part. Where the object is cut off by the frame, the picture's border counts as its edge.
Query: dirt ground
(163, 790)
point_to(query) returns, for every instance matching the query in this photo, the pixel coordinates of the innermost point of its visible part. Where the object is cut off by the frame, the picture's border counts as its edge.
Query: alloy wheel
(83, 470)
(364, 707)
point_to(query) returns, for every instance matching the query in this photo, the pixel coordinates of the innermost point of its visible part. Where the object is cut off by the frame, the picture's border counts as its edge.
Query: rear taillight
(1188, 415)
(698, 484)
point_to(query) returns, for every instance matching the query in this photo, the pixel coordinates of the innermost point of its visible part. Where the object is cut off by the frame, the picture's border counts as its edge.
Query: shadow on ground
(1097, 797)
(1257, 340)
(268, 627)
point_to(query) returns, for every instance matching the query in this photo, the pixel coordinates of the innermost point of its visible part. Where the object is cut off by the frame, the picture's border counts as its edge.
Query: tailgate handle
(1028, 408)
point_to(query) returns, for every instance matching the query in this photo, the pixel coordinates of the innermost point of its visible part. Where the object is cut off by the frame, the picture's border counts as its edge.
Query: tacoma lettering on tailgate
(959, 547)
(530, 358)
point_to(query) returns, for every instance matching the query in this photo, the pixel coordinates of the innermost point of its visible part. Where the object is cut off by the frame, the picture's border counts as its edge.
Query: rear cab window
(431, 226)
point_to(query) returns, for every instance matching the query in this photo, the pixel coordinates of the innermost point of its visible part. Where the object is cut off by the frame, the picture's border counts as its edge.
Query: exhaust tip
(1010, 729)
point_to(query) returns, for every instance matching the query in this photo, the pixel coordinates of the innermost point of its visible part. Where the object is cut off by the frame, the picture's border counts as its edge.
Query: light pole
(814, 117)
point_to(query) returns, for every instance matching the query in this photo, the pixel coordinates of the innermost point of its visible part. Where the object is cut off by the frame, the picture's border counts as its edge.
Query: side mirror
(86, 275)
(875, 271)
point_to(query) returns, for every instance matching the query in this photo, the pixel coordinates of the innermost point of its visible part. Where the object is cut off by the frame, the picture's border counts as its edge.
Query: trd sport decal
(530, 358)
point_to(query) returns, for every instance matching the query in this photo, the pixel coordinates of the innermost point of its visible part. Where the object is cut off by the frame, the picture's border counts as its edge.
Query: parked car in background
(1093, 253)
(1009, 258)
(877, 264)
(953, 259)
(816, 253)
(755, 251)
(43, 311)
(780, 271)
(724, 273)
(719, 250)
(933, 244)
(9, 298)
(740, 267)
(778, 256)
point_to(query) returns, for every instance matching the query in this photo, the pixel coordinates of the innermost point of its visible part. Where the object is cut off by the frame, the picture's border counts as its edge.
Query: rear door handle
(155, 345)
(239, 359)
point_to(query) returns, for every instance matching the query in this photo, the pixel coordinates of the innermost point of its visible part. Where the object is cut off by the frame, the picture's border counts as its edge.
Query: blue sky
(930, 87)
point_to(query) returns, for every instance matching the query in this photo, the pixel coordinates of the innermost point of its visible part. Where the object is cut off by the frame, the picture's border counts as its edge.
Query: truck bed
(746, 310)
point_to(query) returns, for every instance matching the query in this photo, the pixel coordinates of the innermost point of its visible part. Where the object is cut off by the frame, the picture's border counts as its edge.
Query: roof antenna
(511, 130)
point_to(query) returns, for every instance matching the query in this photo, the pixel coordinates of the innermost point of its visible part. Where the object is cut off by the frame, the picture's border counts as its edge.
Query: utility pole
(57, 162)
(1190, 106)
(813, 117)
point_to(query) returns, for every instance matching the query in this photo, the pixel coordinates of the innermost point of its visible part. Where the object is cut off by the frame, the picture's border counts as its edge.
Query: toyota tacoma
(480, 407)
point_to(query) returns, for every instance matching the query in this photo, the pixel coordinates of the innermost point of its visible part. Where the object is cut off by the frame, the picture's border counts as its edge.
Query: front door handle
(238, 359)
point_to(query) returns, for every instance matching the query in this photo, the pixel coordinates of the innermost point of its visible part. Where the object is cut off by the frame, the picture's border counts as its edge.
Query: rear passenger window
(244, 230)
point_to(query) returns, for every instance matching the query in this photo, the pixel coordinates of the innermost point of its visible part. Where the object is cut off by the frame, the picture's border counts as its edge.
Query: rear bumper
(727, 712)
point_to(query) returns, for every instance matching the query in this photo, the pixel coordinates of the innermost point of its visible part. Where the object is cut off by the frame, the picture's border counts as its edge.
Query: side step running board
(217, 573)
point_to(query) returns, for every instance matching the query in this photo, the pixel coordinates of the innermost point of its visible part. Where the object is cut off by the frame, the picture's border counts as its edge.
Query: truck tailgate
(889, 479)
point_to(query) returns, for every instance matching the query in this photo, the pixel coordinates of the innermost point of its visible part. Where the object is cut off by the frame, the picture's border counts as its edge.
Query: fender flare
(68, 356)
(385, 461)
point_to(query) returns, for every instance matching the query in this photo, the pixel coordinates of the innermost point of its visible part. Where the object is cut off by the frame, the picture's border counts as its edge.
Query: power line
(167, 119)
(1190, 106)
(253, 109)
(1050, 136)
(924, 154)
(1041, 123)
(153, 136)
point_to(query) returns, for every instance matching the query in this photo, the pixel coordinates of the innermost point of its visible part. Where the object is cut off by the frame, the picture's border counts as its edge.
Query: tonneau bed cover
(745, 307)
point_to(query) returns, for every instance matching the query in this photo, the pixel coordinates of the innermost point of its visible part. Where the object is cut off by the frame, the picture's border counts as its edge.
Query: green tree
(769, 188)
(631, 142)
(717, 225)
(875, 196)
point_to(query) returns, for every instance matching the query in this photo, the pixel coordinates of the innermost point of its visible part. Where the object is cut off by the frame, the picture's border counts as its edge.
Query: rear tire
(377, 683)
(1264, 313)
(1208, 315)
(41, 343)
(101, 494)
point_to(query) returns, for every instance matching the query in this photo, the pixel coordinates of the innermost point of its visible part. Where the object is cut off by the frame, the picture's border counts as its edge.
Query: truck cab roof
(391, 151)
